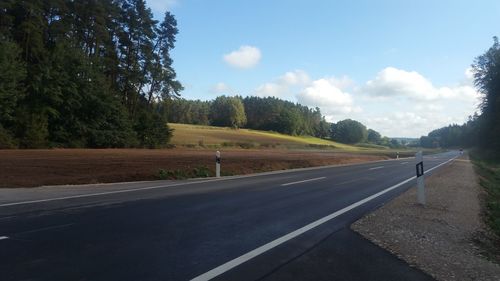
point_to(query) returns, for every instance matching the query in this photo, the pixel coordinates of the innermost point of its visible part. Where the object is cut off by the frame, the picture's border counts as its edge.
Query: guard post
(217, 164)
(420, 178)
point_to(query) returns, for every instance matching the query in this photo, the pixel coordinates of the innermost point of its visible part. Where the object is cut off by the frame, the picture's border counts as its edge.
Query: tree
(269, 114)
(324, 129)
(349, 131)
(429, 142)
(289, 121)
(12, 74)
(84, 73)
(486, 70)
(228, 111)
(374, 136)
(395, 143)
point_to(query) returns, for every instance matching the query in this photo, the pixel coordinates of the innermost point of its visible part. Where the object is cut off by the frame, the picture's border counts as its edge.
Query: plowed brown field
(29, 168)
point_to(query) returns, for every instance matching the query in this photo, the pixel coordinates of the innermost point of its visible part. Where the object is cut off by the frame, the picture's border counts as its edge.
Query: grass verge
(488, 170)
(180, 174)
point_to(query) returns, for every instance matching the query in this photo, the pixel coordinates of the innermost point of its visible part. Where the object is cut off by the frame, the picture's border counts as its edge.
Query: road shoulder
(438, 238)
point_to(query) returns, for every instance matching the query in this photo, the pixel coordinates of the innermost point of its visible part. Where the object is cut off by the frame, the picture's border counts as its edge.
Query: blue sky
(400, 67)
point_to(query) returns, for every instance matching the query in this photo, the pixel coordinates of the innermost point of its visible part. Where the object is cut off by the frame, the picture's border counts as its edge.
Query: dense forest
(84, 74)
(481, 130)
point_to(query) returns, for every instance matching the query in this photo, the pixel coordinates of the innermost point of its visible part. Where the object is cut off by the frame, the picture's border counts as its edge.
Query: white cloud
(397, 103)
(244, 57)
(393, 82)
(222, 88)
(326, 94)
(296, 77)
(342, 83)
(398, 124)
(469, 74)
(414, 122)
(271, 90)
(283, 85)
(426, 106)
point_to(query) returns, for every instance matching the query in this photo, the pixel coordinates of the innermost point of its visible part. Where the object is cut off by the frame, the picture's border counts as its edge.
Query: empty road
(272, 226)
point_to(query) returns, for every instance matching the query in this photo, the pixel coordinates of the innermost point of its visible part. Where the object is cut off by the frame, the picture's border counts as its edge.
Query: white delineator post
(217, 164)
(420, 178)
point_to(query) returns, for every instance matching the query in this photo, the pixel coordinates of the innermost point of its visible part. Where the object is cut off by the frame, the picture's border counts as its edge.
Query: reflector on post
(217, 164)
(420, 178)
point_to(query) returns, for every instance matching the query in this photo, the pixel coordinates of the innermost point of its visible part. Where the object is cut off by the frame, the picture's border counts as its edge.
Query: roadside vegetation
(488, 169)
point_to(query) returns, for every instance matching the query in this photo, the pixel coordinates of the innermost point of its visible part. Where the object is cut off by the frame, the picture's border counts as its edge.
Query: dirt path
(438, 238)
(27, 168)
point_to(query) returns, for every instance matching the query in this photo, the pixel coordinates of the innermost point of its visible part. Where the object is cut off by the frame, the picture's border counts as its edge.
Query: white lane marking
(264, 248)
(4, 237)
(376, 168)
(404, 163)
(297, 182)
(105, 193)
(46, 228)
(189, 183)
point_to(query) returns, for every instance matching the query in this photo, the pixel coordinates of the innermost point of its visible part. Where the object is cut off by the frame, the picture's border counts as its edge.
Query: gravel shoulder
(440, 237)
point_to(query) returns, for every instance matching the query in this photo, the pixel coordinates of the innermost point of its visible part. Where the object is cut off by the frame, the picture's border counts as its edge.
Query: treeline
(453, 136)
(353, 132)
(84, 74)
(271, 114)
(481, 130)
(268, 114)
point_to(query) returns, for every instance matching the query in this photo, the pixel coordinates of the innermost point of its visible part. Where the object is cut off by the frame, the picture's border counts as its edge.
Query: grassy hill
(198, 135)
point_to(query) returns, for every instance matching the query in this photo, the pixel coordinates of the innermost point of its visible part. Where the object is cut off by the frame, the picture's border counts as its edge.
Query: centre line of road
(264, 248)
(404, 163)
(297, 182)
(375, 168)
(180, 184)
(4, 237)
(45, 228)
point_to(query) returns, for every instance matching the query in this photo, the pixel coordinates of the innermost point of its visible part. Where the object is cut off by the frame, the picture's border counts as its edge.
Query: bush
(6, 139)
(34, 131)
(152, 130)
(349, 131)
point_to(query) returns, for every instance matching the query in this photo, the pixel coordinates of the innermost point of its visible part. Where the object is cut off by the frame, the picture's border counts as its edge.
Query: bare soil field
(30, 168)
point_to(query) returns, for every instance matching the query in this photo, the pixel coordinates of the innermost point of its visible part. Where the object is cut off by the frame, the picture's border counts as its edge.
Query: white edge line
(375, 168)
(264, 248)
(4, 237)
(297, 182)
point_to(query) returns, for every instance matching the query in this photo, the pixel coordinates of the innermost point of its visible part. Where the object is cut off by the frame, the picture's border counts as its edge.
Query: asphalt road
(291, 225)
